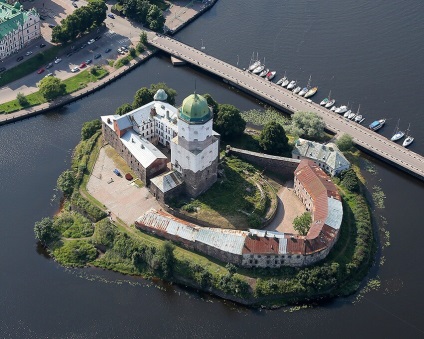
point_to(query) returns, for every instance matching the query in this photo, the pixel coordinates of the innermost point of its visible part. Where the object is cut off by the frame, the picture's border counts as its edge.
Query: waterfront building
(188, 134)
(328, 156)
(261, 248)
(18, 27)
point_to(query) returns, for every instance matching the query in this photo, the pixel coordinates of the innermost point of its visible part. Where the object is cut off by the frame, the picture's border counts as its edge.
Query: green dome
(195, 109)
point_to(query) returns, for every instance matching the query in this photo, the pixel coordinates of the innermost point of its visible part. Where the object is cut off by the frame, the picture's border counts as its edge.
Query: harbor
(287, 101)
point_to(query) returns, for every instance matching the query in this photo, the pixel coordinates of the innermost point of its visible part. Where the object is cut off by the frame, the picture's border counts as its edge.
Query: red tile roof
(261, 245)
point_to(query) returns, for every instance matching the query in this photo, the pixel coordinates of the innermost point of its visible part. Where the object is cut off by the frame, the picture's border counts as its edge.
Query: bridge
(283, 99)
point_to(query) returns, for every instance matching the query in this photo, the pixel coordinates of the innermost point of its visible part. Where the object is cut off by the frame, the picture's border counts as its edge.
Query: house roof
(329, 154)
(12, 17)
(167, 181)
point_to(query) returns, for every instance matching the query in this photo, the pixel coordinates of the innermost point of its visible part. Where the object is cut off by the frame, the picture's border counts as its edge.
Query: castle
(187, 132)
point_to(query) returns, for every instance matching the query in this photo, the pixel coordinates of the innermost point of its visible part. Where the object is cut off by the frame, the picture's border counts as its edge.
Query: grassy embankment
(73, 84)
(125, 249)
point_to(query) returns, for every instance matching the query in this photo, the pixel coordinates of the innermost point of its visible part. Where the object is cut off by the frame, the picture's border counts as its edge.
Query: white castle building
(18, 27)
(187, 132)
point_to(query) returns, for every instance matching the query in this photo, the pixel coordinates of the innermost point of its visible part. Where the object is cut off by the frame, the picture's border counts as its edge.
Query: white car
(49, 75)
(57, 60)
(28, 53)
(91, 41)
(75, 69)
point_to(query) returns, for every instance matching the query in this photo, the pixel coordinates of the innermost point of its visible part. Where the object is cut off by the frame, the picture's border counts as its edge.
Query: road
(284, 99)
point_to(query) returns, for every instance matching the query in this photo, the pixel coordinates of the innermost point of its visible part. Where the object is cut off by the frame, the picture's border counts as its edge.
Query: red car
(41, 70)
(83, 65)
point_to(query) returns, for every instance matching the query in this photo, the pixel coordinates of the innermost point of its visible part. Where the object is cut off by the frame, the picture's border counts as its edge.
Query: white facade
(17, 28)
(182, 158)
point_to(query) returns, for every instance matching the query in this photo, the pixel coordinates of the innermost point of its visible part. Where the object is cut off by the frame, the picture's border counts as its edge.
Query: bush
(45, 231)
(344, 143)
(73, 225)
(105, 233)
(349, 180)
(84, 206)
(90, 128)
(66, 182)
(75, 253)
(22, 100)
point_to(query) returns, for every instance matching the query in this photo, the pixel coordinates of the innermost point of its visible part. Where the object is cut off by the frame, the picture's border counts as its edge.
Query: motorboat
(351, 116)
(258, 69)
(341, 109)
(376, 125)
(333, 109)
(264, 72)
(291, 84)
(303, 91)
(279, 82)
(285, 83)
(358, 118)
(270, 75)
(397, 134)
(297, 90)
(408, 140)
(330, 103)
(311, 92)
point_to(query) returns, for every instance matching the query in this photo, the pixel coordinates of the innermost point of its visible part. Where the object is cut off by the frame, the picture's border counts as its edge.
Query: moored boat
(351, 116)
(258, 69)
(341, 109)
(279, 82)
(408, 140)
(325, 101)
(333, 109)
(346, 114)
(397, 134)
(264, 72)
(270, 75)
(303, 91)
(358, 117)
(285, 82)
(256, 64)
(297, 90)
(376, 125)
(311, 92)
(291, 84)
(330, 103)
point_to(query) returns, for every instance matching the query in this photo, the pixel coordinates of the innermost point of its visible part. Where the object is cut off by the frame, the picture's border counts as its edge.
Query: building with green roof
(18, 27)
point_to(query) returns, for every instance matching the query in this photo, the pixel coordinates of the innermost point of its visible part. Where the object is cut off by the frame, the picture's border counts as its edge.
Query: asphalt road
(281, 97)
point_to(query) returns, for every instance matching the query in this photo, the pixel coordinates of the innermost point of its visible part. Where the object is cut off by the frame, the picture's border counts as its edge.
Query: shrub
(22, 100)
(84, 206)
(66, 182)
(75, 253)
(45, 231)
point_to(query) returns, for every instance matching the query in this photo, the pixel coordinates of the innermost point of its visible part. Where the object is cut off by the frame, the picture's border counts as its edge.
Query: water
(365, 52)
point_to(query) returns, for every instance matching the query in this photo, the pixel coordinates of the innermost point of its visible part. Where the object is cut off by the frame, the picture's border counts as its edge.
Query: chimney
(167, 114)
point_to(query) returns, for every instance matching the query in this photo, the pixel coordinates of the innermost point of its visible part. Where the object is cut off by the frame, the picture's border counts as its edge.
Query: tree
(212, 103)
(22, 100)
(344, 143)
(307, 124)
(130, 9)
(165, 256)
(231, 269)
(142, 97)
(155, 19)
(142, 10)
(89, 128)
(273, 139)
(45, 231)
(350, 180)
(98, 9)
(229, 122)
(66, 183)
(143, 38)
(105, 233)
(51, 88)
(124, 109)
(172, 93)
(302, 223)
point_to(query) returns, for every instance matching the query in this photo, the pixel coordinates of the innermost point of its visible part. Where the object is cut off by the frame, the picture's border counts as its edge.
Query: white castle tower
(195, 150)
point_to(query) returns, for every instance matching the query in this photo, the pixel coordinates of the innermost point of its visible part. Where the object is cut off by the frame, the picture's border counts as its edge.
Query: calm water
(366, 52)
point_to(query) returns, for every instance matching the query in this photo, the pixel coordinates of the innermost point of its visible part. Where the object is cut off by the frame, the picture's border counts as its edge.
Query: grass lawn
(73, 84)
(238, 200)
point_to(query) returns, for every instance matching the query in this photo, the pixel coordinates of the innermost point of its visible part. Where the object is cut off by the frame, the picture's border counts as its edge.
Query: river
(366, 52)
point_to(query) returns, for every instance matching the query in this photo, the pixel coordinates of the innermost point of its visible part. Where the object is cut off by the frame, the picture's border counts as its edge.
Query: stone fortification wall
(280, 165)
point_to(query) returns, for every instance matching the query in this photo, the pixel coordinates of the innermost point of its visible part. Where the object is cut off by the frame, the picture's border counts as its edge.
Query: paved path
(279, 97)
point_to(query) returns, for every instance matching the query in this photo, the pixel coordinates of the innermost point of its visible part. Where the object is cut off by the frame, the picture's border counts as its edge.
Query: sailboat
(253, 63)
(297, 90)
(397, 134)
(305, 89)
(325, 100)
(291, 84)
(358, 117)
(330, 102)
(408, 140)
(279, 82)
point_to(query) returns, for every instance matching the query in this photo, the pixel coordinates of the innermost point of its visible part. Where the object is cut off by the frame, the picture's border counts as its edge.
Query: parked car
(98, 55)
(57, 60)
(110, 15)
(75, 4)
(49, 75)
(75, 69)
(42, 45)
(50, 65)
(125, 48)
(88, 61)
(52, 26)
(2, 69)
(82, 65)
(28, 53)
(41, 70)
(19, 58)
(91, 41)
(98, 37)
(107, 50)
